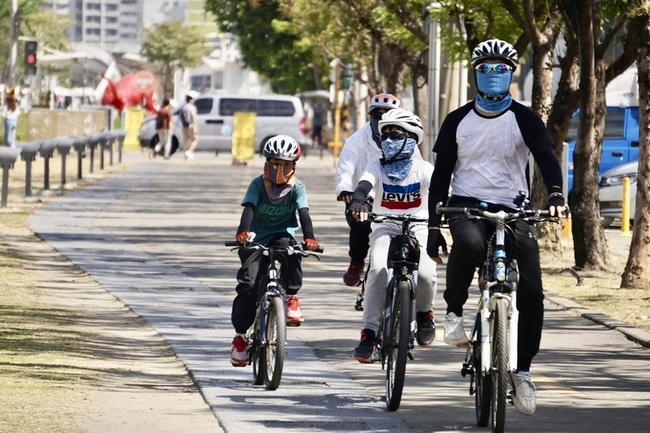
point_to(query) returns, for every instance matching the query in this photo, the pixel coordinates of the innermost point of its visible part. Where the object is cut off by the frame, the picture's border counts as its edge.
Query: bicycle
(492, 351)
(268, 334)
(397, 326)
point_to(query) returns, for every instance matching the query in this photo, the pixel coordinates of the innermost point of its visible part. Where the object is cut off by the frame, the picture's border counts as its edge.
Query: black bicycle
(358, 303)
(397, 326)
(267, 336)
(492, 353)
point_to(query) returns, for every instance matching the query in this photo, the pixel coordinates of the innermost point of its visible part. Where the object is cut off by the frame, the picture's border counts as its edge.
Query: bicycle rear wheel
(398, 345)
(500, 371)
(483, 384)
(276, 338)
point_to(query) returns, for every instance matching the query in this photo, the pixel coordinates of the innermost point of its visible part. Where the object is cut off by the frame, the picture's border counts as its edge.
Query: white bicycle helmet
(383, 100)
(405, 120)
(282, 147)
(495, 49)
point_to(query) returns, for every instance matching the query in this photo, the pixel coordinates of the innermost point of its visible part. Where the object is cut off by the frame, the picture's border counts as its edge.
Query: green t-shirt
(271, 219)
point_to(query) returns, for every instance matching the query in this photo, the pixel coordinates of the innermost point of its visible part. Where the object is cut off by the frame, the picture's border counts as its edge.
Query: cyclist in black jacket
(485, 145)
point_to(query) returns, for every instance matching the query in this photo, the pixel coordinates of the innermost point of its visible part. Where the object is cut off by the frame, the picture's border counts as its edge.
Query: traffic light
(30, 57)
(347, 76)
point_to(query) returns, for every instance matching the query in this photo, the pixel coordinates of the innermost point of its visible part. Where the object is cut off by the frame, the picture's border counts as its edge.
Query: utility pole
(433, 77)
(13, 37)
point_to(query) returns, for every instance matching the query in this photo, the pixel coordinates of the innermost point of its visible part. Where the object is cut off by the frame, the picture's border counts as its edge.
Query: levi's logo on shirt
(401, 196)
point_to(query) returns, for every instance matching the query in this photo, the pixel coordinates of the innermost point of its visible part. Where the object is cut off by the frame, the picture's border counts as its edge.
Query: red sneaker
(239, 352)
(294, 314)
(352, 275)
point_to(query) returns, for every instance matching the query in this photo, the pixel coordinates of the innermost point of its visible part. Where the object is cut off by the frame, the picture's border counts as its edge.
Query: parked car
(611, 192)
(620, 142)
(275, 114)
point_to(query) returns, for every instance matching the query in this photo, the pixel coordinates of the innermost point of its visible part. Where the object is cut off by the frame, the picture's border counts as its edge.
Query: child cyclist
(400, 184)
(270, 206)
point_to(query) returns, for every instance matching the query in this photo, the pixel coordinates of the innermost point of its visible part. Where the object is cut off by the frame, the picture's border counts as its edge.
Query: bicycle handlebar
(380, 218)
(529, 215)
(294, 249)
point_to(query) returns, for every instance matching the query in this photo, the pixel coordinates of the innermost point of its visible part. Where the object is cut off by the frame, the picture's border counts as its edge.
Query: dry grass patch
(599, 291)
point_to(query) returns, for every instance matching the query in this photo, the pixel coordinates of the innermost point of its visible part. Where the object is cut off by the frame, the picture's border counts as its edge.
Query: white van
(275, 114)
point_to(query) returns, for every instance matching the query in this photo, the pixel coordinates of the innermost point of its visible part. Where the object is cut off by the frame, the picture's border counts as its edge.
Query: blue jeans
(10, 132)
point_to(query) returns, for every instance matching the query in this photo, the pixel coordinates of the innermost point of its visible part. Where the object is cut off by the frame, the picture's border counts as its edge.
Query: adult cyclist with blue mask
(482, 151)
(400, 184)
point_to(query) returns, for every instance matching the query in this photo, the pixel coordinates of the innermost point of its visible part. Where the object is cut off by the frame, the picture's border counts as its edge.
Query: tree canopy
(170, 46)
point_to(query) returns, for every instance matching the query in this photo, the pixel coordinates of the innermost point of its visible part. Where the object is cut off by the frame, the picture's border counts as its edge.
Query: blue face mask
(493, 84)
(494, 95)
(397, 160)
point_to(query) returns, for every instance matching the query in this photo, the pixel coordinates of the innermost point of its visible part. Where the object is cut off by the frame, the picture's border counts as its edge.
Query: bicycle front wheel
(500, 370)
(256, 352)
(398, 345)
(276, 338)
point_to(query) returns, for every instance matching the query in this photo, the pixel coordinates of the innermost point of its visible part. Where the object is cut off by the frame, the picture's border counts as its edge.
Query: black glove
(557, 205)
(344, 195)
(357, 207)
(556, 199)
(435, 242)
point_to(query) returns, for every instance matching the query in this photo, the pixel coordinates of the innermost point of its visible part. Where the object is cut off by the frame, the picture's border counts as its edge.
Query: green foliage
(269, 44)
(171, 45)
(48, 29)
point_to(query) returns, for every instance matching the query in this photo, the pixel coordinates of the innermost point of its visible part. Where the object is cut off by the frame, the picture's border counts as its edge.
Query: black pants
(468, 251)
(359, 237)
(253, 269)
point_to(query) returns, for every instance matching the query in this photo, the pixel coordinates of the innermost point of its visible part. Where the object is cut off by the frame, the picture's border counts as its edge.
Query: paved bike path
(174, 272)
(195, 321)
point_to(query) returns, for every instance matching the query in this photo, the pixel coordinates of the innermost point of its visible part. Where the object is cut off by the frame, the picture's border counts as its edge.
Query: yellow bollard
(566, 228)
(625, 210)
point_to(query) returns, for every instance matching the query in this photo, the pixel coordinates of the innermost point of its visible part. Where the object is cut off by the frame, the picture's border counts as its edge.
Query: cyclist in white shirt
(400, 183)
(482, 151)
(359, 149)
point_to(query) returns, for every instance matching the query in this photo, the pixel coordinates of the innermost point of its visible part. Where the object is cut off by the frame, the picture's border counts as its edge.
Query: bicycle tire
(482, 384)
(398, 346)
(276, 338)
(257, 352)
(500, 355)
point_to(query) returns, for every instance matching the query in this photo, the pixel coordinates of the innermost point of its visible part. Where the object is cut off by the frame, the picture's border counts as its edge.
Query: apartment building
(109, 25)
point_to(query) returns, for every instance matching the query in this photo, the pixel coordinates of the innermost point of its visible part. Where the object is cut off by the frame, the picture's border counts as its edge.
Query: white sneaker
(189, 155)
(455, 331)
(524, 393)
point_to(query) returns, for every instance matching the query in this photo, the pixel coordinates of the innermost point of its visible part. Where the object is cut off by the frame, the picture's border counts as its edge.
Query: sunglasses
(499, 68)
(393, 135)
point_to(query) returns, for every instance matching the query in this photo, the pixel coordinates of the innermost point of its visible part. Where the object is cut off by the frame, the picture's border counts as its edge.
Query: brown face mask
(278, 181)
(278, 174)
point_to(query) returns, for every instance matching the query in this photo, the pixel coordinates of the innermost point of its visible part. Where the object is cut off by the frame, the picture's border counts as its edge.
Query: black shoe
(363, 352)
(426, 333)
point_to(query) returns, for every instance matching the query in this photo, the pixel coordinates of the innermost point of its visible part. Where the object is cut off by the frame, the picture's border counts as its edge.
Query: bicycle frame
(495, 284)
(267, 354)
(398, 325)
(498, 281)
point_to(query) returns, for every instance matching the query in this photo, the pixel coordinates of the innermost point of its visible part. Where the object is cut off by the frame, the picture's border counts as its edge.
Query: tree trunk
(637, 270)
(549, 234)
(590, 247)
